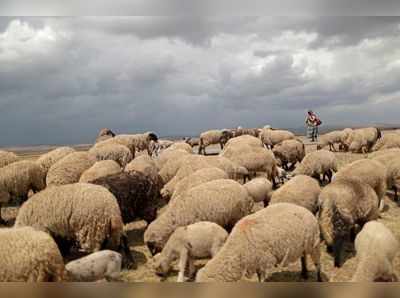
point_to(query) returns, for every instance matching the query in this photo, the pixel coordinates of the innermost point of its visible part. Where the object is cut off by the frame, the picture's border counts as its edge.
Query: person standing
(312, 122)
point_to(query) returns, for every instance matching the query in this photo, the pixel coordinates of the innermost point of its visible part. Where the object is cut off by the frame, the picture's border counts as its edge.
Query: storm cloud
(62, 79)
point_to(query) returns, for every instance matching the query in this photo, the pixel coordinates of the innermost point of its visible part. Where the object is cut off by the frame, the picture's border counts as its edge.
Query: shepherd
(312, 122)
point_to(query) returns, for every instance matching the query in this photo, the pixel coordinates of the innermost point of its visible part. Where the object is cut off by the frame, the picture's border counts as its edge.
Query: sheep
(119, 140)
(254, 159)
(274, 236)
(81, 213)
(345, 203)
(316, 163)
(17, 179)
(367, 171)
(362, 140)
(104, 134)
(199, 240)
(244, 139)
(193, 142)
(50, 158)
(193, 163)
(156, 147)
(301, 190)
(246, 131)
(174, 162)
(196, 178)
(104, 264)
(388, 141)
(181, 146)
(28, 255)
(6, 158)
(332, 138)
(271, 137)
(221, 201)
(69, 169)
(393, 176)
(376, 248)
(167, 155)
(213, 137)
(375, 154)
(119, 153)
(100, 169)
(137, 195)
(146, 165)
(289, 151)
(139, 141)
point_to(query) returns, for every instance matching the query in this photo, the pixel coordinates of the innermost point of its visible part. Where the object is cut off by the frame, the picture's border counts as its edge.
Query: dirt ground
(145, 272)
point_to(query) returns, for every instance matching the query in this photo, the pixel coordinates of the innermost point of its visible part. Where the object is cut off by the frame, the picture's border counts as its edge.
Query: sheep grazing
(375, 154)
(221, 201)
(254, 159)
(213, 137)
(17, 179)
(271, 137)
(332, 138)
(362, 140)
(388, 141)
(376, 248)
(145, 165)
(317, 163)
(199, 240)
(345, 203)
(156, 147)
(69, 169)
(140, 141)
(193, 142)
(301, 190)
(169, 155)
(6, 158)
(289, 151)
(104, 134)
(119, 153)
(175, 159)
(50, 158)
(244, 139)
(104, 264)
(274, 236)
(100, 169)
(246, 131)
(28, 255)
(196, 178)
(137, 195)
(119, 140)
(367, 171)
(80, 213)
(181, 146)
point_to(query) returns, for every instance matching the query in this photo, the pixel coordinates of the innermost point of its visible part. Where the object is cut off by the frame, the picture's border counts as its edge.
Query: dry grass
(144, 272)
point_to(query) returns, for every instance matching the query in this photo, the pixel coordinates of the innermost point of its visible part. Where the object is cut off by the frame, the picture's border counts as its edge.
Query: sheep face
(152, 137)
(4, 196)
(226, 135)
(161, 265)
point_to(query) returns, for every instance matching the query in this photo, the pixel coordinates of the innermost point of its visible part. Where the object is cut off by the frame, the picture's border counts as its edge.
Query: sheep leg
(128, 261)
(337, 251)
(396, 198)
(182, 264)
(316, 258)
(260, 275)
(2, 221)
(304, 272)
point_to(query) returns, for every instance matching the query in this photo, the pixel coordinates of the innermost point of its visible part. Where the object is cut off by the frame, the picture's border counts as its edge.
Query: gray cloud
(62, 79)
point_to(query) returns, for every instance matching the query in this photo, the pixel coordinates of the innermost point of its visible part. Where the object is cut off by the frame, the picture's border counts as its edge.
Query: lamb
(196, 178)
(362, 140)
(137, 195)
(221, 201)
(213, 137)
(376, 248)
(271, 137)
(388, 141)
(332, 138)
(17, 179)
(139, 141)
(274, 236)
(244, 139)
(119, 140)
(100, 169)
(367, 171)
(393, 176)
(6, 158)
(289, 151)
(345, 203)
(50, 158)
(316, 163)
(167, 155)
(104, 264)
(146, 165)
(104, 134)
(174, 162)
(80, 213)
(28, 255)
(199, 240)
(119, 153)
(254, 159)
(301, 190)
(69, 169)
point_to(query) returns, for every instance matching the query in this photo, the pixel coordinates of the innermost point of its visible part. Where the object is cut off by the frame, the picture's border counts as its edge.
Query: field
(391, 218)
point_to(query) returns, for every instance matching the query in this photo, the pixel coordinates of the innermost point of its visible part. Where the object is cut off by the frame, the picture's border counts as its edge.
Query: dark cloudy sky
(62, 79)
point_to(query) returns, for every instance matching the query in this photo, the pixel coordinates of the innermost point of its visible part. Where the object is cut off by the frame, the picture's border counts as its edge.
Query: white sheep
(363, 139)
(116, 152)
(6, 158)
(103, 264)
(270, 137)
(50, 158)
(100, 169)
(388, 141)
(213, 137)
(199, 240)
(274, 236)
(332, 138)
(376, 248)
(289, 151)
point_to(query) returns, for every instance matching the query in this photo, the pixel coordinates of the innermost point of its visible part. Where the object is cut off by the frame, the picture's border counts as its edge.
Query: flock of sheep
(259, 203)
